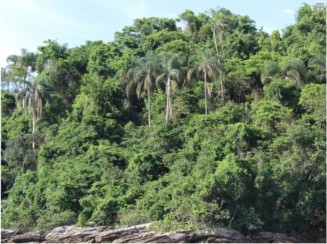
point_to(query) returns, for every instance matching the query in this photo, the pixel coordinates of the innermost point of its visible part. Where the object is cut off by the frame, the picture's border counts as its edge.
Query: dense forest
(216, 123)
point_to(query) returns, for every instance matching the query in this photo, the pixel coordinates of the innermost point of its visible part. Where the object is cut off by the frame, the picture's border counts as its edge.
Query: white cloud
(287, 11)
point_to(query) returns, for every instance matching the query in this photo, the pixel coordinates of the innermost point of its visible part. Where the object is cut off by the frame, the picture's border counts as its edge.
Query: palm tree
(209, 65)
(6, 77)
(170, 64)
(318, 64)
(126, 75)
(218, 28)
(221, 71)
(21, 66)
(294, 70)
(220, 25)
(33, 95)
(269, 70)
(144, 76)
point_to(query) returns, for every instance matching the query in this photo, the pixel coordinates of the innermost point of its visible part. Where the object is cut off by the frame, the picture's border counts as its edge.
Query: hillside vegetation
(214, 124)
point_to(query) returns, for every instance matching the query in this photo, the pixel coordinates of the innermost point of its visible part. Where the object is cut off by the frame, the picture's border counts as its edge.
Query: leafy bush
(49, 220)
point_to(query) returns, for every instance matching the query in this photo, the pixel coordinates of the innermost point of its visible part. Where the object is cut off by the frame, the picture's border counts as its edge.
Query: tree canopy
(214, 124)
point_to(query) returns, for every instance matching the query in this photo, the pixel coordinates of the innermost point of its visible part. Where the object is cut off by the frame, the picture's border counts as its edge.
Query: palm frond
(175, 73)
(161, 79)
(139, 75)
(190, 73)
(209, 89)
(295, 65)
(319, 61)
(294, 75)
(139, 90)
(270, 69)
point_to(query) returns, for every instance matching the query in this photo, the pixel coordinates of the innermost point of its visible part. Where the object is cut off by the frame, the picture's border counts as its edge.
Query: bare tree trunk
(24, 81)
(205, 93)
(32, 104)
(167, 104)
(222, 86)
(33, 133)
(169, 111)
(170, 100)
(34, 121)
(214, 37)
(149, 107)
(220, 72)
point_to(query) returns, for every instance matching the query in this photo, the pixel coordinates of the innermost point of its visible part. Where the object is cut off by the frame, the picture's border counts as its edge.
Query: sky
(28, 23)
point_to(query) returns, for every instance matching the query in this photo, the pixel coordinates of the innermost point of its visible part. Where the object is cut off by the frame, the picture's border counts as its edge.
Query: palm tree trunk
(149, 107)
(214, 37)
(24, 82)
(169, 111)
(170, 101)
(222, 86)
(33, 110)
(205, 93)
(33, 132)
(167, 104)
(220, 73)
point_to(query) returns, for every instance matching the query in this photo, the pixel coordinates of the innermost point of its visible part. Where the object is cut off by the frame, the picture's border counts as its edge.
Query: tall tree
(221, 23)
(20, 67)
(207, 64)
(295, 70)
(218, 28)
(50, 53)
(170, 64)
(33, 95)
(269, 70)
(318, 66)
(144, 77)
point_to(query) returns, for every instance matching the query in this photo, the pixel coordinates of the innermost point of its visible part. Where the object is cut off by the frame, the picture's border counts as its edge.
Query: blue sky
(28, 23)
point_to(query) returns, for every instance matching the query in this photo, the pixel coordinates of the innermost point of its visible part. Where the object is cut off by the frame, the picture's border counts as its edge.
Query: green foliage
(133, 217)
(104, 95)
(313, 100)
(159, 38)
(18, 157)
(19, 122)
(234, 177)
(50, 52)
(216, 124)
(312, 97)
(8, 103)
(271, 115)
(283, 91)
(145, 166)
(49, 220)
(22, 208)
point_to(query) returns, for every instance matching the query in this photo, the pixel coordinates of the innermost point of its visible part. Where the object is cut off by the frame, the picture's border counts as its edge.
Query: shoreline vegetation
(216, 124)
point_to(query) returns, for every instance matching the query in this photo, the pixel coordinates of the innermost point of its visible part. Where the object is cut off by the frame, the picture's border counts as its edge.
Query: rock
(142, 234)
(139, 234)
(277, 238)
(154, 238)
(73, 234)
(6, 235)
(28, 237)
(111, 235)
(12, 236)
